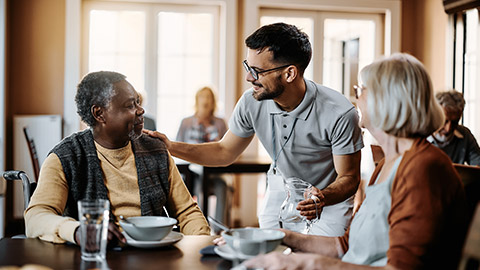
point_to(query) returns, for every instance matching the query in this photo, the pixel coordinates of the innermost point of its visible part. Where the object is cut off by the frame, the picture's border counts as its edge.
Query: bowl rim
(281, 234)
(171, 222)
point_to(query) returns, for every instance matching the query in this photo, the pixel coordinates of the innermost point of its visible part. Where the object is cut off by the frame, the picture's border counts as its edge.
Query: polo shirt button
(285, 115)
(285, 137)
(284, 126)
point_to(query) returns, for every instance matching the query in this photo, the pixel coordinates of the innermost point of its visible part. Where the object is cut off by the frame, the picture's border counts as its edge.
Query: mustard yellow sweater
(43, 217)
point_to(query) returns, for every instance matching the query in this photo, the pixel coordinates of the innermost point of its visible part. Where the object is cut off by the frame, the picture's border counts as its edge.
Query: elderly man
(111, 160)
(455, 140)
(309, 130)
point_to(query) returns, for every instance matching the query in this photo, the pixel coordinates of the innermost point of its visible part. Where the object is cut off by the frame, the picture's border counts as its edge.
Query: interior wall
(35, 64)
(424, 35)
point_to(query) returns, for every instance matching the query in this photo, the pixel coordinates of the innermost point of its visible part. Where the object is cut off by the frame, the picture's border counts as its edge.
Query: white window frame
(227, 54)
(390, 9)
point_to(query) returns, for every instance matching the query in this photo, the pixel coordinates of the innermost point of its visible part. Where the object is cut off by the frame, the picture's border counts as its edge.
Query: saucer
(171, 238)
(227, 253)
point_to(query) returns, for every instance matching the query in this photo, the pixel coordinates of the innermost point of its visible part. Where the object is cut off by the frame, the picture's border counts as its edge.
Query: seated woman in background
(202, 127)
(413, 215)
(111, 160)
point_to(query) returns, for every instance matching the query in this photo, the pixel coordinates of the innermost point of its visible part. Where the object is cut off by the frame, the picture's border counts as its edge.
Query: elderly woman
(457, 141)
(413, 216)
(111, 160)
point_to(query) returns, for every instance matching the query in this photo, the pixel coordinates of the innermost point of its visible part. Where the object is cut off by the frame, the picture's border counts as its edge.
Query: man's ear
(97, 113)
(291, 74)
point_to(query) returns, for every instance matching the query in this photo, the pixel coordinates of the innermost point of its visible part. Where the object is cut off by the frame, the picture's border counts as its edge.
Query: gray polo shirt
(327, 125)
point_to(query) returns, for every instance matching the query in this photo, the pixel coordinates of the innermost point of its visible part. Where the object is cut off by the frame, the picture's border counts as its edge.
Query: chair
(470, 176)
(471, 249)
(28, 185)
(28, 188)
(33, 153)
(377, 153)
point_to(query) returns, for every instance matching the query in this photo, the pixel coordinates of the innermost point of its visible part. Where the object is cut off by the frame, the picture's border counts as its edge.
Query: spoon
(126, 221)
(218, 224)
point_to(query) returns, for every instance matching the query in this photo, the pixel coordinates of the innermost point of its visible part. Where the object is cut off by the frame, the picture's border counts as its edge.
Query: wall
(35, 64)
(424, 28)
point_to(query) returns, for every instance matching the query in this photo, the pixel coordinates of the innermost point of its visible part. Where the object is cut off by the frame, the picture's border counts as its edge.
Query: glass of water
(94, 216)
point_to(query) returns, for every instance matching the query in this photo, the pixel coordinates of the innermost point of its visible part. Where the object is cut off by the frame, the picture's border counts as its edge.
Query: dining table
(184, 254)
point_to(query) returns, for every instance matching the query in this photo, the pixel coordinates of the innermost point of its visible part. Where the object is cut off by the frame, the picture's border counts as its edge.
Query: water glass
(94, 218)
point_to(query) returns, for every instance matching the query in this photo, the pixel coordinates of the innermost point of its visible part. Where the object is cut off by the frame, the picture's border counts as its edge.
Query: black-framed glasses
(255, 72)
(358, 90)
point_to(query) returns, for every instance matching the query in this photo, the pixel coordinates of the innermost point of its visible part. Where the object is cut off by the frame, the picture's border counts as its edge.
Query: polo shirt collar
(304, 108)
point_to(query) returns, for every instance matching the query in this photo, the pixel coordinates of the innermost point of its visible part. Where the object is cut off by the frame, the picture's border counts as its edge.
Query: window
(167, 52)
(465, 57)
(342, 43)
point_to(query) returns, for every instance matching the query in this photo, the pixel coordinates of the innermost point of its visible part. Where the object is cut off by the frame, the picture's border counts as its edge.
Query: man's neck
(292, 96)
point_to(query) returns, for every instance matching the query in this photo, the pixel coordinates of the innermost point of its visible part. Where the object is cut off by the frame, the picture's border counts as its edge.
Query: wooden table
(182, 255)
(242, 165)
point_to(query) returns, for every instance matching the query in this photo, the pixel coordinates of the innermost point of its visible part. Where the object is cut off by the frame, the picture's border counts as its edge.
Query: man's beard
(277, 91)
(133, 136)
(441, 139)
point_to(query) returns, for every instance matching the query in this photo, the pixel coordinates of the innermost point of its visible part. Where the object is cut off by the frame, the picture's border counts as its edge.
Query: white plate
(171, 238)
(227, 253)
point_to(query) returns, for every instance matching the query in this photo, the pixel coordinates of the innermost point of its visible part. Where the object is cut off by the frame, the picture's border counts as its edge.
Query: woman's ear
(97, 113)
(291, 74)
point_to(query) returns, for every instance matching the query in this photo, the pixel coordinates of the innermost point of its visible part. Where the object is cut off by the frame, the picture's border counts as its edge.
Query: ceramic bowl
(253, 241)
(148, 228)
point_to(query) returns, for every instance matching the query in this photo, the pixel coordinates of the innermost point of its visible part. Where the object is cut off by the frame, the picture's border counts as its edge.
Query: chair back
(470, 176)
(377, 153)
(33, 153)
(471, 249)
(28, 185)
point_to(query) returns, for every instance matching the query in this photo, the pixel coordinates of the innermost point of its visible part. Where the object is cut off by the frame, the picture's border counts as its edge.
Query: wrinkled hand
(219, 241)
(307, 206)
(114, 235)
(158, 135)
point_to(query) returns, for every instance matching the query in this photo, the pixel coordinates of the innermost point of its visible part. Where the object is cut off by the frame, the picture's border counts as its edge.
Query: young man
(111, 160)
(309, 131)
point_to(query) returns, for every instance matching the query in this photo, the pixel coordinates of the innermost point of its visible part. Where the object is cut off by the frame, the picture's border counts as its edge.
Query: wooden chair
(377, 153)
(33, 154)
(471, 249)
(470, 176)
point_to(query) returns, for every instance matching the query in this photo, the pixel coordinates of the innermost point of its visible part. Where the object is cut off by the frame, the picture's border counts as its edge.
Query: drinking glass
(94, 217)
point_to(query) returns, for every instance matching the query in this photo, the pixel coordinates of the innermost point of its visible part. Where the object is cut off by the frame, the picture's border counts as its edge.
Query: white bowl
(251, 241)
(148, 228)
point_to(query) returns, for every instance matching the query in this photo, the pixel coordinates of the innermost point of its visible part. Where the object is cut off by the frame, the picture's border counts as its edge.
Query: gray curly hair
(96, 88)
(451, 99)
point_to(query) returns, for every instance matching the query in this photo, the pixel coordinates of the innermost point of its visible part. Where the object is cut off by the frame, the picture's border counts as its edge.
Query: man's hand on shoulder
(161, 136)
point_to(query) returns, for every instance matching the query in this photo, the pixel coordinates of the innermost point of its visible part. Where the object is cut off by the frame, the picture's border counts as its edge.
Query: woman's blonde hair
(212, 95)
(400, 98)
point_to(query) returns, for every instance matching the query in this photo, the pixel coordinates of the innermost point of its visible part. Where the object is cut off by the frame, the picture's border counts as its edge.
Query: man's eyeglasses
(255, 72)
(358, 90)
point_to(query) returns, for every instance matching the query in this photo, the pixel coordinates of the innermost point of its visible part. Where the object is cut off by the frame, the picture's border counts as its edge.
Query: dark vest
(81, 166)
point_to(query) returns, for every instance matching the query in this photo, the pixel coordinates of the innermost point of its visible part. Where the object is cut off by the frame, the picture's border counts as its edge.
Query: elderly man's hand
(114, 235)
(158, 135)
(313, 205)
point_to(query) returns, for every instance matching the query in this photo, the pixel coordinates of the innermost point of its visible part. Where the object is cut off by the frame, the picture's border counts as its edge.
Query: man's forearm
(341, 189)
(207, 154)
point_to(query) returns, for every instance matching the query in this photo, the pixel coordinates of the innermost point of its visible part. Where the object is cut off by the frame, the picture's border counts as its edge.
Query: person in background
(310, 131)
(203, 127)
(455, 140)
(413, 215)
(148, 122)
(110, 160)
